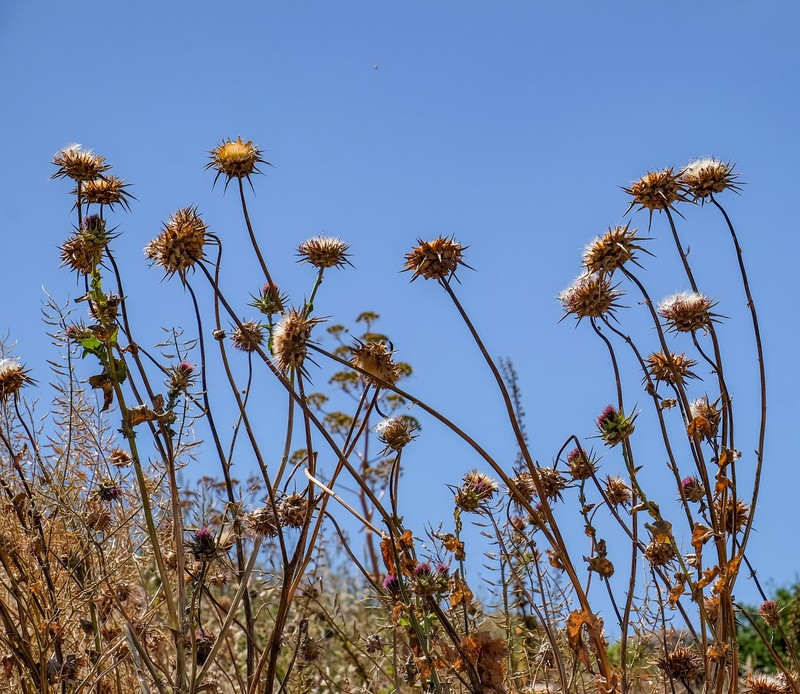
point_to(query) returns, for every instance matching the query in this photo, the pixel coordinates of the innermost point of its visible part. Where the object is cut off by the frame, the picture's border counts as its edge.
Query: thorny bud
(659, 552)
(581, 465)
(120, 458)
(270, 301)
(761, 683)
(391, 584)
(180, 244)
(376, 359)
(614, 426)
(108, 191)
(617, 492)
(660, 369)
(293, 510)
(203, 545)
(704, 419)
(290, 339)
(108, 490)
(13, 377)
(734, 515)
(683, 664)
(262, 522)
(181, 377)
(693, 489)
(396, 432)
(770, 613)
(611, 250)
(235, 159)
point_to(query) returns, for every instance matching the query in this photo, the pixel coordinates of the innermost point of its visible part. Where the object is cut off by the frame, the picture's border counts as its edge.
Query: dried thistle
(120, 458)
(693, 489)
(734, 515)
(617, 492)
(235, 159)
(656, 190)
(590, 296)
(79, 164)
(290, 339)
(659, 552)
(108, 191)
(475, 490)
(757, 683)
(324, 252)
(293, 510)
(83, 251)
(203, 545)
(262, 522)
(704, 419)
(612, 250)
(376, 359)
(13, 376)
(770, 613)
(437, 259)
(181, 378)
(180, 244)
(396, 433)
(248, 336)
(687, 311)
(672, 369)
(581, 465)
(683, 664)
(704, 177)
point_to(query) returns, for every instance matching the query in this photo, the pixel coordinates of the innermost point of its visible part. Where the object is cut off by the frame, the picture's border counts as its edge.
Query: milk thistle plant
(121, 573)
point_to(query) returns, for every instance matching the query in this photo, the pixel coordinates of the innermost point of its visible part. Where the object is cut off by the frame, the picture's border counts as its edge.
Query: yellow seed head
(235, 159)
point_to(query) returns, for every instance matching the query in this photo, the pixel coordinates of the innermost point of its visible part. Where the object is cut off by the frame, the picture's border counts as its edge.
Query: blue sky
(509, 124)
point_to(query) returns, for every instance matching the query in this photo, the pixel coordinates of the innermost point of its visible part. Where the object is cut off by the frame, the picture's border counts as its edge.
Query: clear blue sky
(509, 124)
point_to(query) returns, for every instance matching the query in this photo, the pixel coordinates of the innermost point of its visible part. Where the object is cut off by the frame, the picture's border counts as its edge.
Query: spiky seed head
(704, 177)
(120, 457)
(590, 296)
(376, 359)
(672, 369)
(435, 260)
(293, 510)
(324, 252)
(612, 250)
(108, 191)
(79, 164)
(553, 482)
(656, 190)
(687, 311)
(108, 490)
(759, 683)
(734, 515)
(711, 606)
(13, 376)
(770, 613)
(525, 488)
(704, 419)
(290, 339)
(203, 545)
(659, 552)
(248, 336)
(476, 489)
(581, 464)
(682, 664)
(180, 244)
(396, 432)
(97, 517)
(309, 651)
(235, 159)
(693, 489)
(614, 426)
(262, 522)
(617, 492)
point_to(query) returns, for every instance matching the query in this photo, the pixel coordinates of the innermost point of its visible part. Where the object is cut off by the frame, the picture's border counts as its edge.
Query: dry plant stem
(790, 680)
(559, 544)
(761, 372)
(256, 247)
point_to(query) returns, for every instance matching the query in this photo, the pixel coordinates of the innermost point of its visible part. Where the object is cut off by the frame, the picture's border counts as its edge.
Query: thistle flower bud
(614, 426)
(108, 490)
(391, 584)
(581, 465)
(734, 514)
(270, 300)
(770, 613)
(659, 552)
(693, 489)
(181, 377)
(682, 665)
(437, 259)
(203, 545)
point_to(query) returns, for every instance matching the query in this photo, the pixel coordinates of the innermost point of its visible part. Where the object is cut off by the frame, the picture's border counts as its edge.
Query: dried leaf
(700, 535)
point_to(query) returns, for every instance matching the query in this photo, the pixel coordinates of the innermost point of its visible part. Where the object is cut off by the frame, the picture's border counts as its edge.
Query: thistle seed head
(656, 190)
(235, 159)
(293, 510)
(687, 311)
(682, 664)
(180, 244)
(79, 164)
(13, 376)
(704, 177)
(108, 191)
(376, 359)
(248, 336)
(324, 252)
(660, 369)
(617, 492)
(290, 339)
(693, 489)
(590, 296)
(581, 464)
(396, 432)
(262, 522)
(476, 489)
(437, 259)
(612, 250)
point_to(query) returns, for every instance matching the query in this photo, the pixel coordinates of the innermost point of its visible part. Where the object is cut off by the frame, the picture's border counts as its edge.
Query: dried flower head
(324, 252)
(428, 581)
(12, 377)
(309, 651)
(83, 251)
(734, 515)
(656, 190)
(375, 358)
(108, 490)
(180, 244)
(693, 489)
(682, 664)
(704, 177)
(293, 510)
(581, 464)
(525, 488)
(770, 613)
(290, 339)
(78, 164)
(391, 584)
(235, 159)
(203, 545)
(704, 419)
(476, 489)
(396, 432)
(437, 259)
(248, 336)
(120, 458)
(262, 522)
(204, 643)
(757, 683)
(97, 517)
(108, 191)
(182, 376)
(612, 250)
(672, 369)
(659, 552)
(687, 311)
(614, 426)
(617, 492)
(590, 296)
(553, 482)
